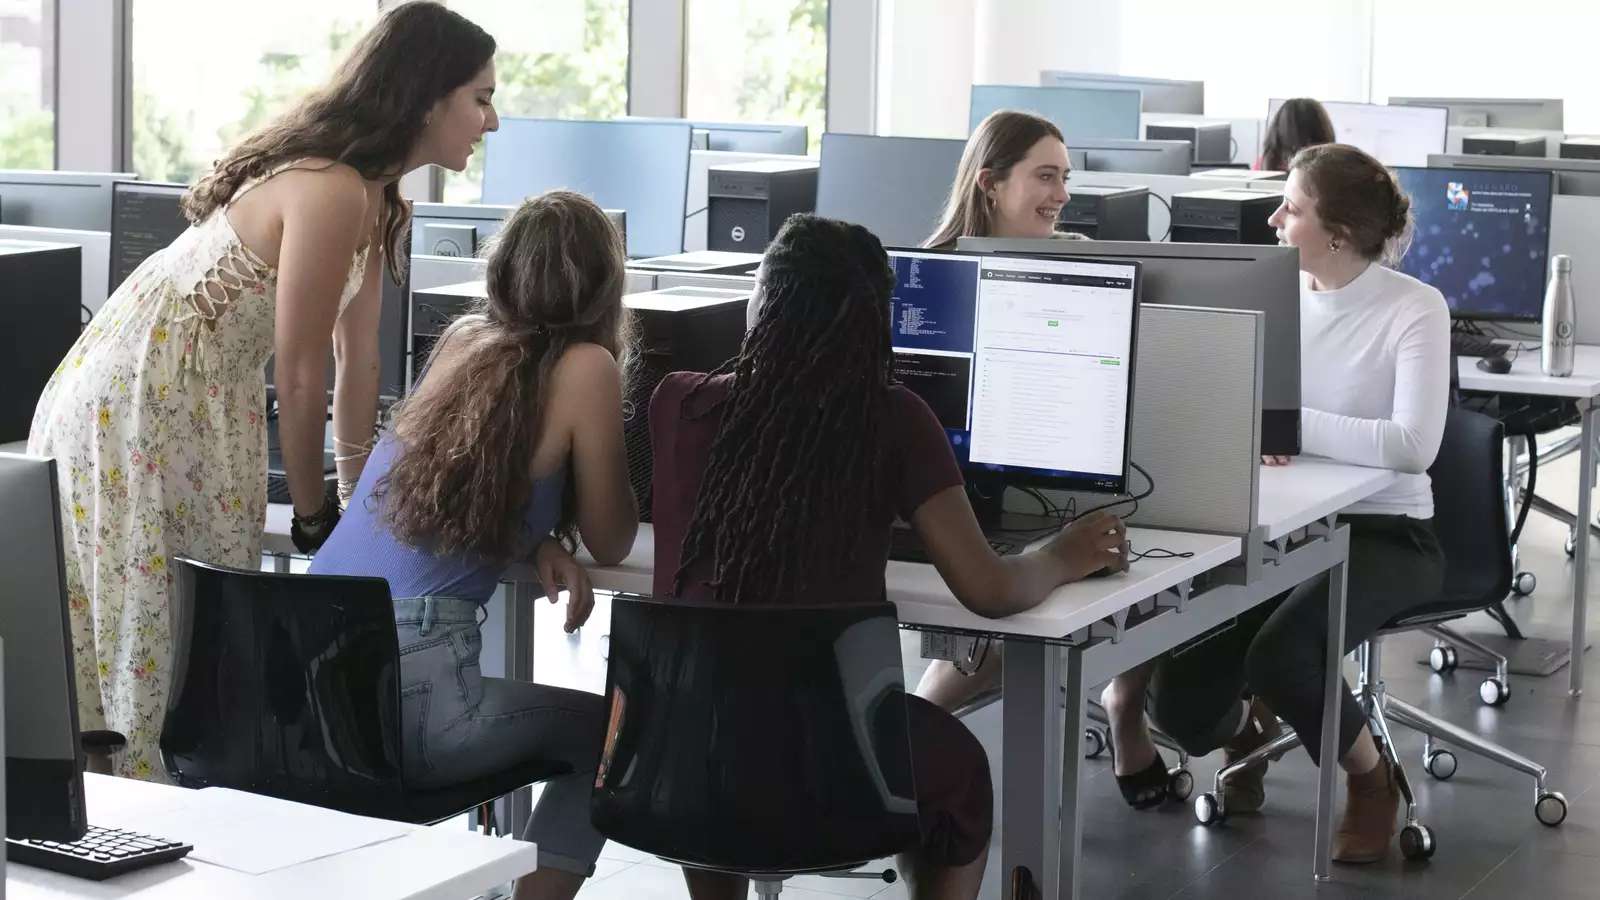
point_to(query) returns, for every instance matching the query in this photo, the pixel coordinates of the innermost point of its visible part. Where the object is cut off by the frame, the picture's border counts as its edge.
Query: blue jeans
(459, 726)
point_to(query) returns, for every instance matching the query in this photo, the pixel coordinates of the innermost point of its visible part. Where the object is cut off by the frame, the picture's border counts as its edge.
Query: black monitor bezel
(1020, 476)
(1550, 194)
(116, 196)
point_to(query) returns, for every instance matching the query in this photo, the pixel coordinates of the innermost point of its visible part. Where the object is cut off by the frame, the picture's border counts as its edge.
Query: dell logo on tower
(737, 234)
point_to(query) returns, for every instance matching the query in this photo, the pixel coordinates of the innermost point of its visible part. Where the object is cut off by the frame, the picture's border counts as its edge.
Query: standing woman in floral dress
(156, 416)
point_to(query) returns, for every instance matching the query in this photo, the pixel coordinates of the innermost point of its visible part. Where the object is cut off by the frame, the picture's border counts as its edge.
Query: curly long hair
(800, 448)
(369, 115)
(461, 476)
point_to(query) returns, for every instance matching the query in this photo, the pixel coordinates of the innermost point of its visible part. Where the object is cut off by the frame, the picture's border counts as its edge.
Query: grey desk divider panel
(1575, 231)
(1196, 419)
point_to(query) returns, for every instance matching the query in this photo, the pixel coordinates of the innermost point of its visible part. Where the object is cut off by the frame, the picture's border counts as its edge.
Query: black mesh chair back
(765, 740)
(1469, 516)
(289, 686)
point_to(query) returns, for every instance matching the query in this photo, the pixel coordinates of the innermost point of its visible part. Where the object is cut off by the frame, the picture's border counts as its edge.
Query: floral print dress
(156, 420)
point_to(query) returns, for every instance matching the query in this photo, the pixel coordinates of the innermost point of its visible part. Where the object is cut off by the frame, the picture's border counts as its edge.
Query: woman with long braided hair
(777, 480)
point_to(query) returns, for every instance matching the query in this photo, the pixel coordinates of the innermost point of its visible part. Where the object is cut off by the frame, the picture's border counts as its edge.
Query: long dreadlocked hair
(798, 454)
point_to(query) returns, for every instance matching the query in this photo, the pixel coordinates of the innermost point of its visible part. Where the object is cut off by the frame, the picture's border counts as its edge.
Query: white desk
(1308, 488)
(1583, 386)
(421, 864)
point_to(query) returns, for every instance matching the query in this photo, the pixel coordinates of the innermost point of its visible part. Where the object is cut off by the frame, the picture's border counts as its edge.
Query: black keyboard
(100, 854)
(1475, 345)
(906, 545)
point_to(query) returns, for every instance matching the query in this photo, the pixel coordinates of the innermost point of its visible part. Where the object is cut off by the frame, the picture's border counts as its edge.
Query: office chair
(289, 686)
(761, 741)
(1470, 519)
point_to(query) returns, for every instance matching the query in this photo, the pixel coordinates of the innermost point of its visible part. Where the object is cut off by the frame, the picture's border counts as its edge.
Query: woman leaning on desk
(777, 480)
(156, 416)
(1374, 357)
(514, 434)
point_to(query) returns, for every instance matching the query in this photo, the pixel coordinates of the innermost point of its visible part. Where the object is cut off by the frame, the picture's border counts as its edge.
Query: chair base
(1416, 840)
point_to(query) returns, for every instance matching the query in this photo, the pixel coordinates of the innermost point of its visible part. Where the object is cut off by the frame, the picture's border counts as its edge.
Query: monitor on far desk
(145, 217)
(742, 137)
(49, 199)
(1497, 112)
(1027, 362)
(1395, 135)
(641, 167)
(1482, 238)
(1222, 276)
(1082, 113)
(1136, 157)
(1159, 95)
(895, 187)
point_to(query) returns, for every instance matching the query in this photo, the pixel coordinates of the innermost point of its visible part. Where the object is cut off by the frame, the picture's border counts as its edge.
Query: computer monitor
(1221, 276)
(145, 217)
(894, 186)
(463, 229)
(1574, 177)
(641, 167)
(1161, 95)
(1498, 112)
(1137, 157)
(1027, 362)
(1394, 135)
(44, 786)
(1482, 239)
(1082, 114)
(742, 137)
(80, 200)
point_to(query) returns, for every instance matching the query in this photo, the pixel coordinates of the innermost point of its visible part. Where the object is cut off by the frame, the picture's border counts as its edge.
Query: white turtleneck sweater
(1375, 381)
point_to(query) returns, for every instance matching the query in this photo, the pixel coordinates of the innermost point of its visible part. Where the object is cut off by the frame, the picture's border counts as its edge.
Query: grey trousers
(459, 725)
(1276, 651)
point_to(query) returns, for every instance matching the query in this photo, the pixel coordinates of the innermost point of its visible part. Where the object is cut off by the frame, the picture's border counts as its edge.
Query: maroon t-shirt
(921, 464)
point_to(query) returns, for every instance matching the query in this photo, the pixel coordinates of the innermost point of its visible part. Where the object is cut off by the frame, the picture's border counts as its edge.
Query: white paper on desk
(255, 835)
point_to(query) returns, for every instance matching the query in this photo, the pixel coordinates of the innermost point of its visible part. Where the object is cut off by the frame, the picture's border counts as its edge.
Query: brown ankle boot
(1246, 791)
(1367, 827)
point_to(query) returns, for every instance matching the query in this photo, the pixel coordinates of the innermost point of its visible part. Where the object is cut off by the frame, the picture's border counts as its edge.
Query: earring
(1334, 246)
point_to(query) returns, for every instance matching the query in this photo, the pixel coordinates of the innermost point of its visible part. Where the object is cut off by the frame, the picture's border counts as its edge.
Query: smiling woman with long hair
(157, 415)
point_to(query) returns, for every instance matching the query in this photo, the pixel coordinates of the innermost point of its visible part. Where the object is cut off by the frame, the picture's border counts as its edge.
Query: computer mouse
(1496, 365)
(1106, 572)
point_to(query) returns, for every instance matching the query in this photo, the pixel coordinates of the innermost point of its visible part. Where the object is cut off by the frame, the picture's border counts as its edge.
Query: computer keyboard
(1475, 345)
(906, 545)
(100, 854)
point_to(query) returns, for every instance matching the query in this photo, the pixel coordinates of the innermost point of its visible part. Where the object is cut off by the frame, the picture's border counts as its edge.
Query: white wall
(925, 57)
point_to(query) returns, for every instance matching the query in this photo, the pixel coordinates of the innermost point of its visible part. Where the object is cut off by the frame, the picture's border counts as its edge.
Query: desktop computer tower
(1580, 148)
(681, 329)
(1224, 216)
(748, 202)
(1503, 145)
(1107, 212)
(41, 296)
(1212, 141)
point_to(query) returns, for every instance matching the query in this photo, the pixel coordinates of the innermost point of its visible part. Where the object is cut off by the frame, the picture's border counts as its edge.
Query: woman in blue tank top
(508, 451)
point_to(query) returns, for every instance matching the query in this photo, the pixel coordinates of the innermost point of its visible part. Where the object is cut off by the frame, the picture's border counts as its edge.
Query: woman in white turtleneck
(1375, 378)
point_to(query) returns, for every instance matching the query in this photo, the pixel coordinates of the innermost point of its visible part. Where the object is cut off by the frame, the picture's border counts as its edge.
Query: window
(27, 84)
(565, 59)
(204, 77)
(758, 61)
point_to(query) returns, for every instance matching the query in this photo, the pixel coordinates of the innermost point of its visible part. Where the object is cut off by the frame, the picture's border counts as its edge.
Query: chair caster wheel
(1180, 784)
(1524, 584)
(1494, 692)
(1416, 842)
(1441, 764)
(1208, 810)
(1551, 808)
(1094, 743)
(1443, 659)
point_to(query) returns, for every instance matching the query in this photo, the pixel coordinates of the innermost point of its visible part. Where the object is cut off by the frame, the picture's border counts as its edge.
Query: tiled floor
(1490, 845)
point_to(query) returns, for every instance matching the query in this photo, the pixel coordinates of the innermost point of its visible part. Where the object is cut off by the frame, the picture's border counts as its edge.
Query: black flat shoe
(1146, 789)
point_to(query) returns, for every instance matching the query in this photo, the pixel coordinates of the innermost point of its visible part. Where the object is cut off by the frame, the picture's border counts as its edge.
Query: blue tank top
(362, 544)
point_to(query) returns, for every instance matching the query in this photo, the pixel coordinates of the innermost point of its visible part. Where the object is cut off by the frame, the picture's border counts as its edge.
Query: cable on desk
(1157, 553)
(1163, 201)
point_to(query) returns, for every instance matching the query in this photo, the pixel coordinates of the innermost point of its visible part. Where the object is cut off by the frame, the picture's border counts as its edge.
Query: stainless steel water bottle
(1560, 319)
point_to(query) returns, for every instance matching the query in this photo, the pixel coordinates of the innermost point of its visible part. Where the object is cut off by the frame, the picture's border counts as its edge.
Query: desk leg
(517, 808)
(1070, 810)
(1580, 546)
(1031, 753)
(280, 563)
(1332, 689)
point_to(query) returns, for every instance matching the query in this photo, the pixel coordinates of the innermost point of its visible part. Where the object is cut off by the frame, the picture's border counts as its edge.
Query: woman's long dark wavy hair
(461, 476)
(800, 449)
(1299, 123)
(369, 115)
